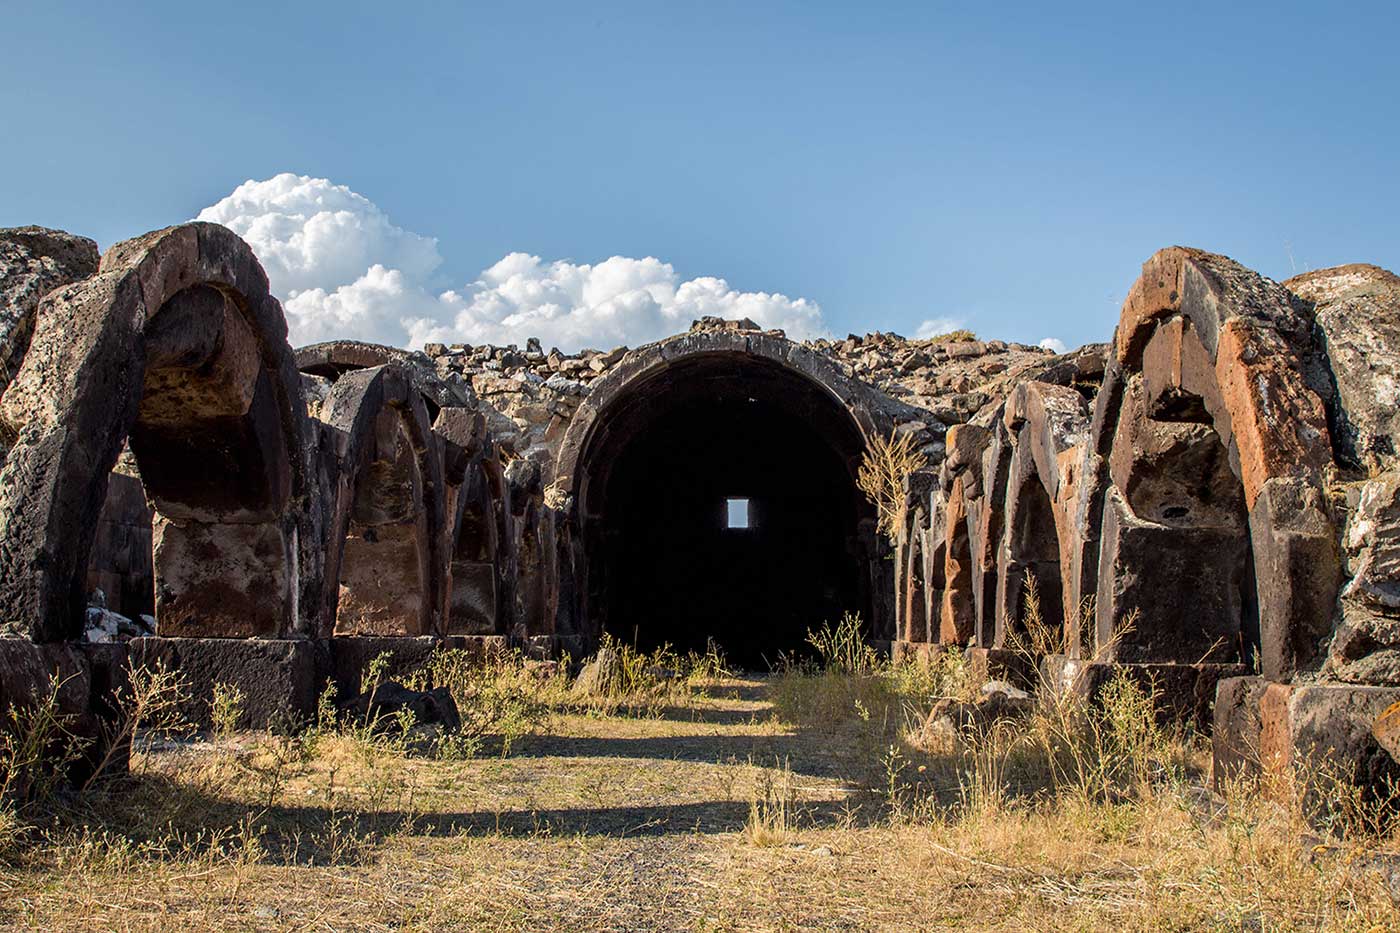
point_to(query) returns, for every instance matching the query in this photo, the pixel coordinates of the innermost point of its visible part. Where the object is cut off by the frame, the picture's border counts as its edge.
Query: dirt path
(645, 824)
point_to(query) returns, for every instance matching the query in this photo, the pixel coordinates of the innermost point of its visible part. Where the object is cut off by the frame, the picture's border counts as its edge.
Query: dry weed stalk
(150, 702)
(772, 808)
(884, 467)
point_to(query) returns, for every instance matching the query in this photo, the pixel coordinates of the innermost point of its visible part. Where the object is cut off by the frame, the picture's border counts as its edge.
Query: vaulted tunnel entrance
(718, 502)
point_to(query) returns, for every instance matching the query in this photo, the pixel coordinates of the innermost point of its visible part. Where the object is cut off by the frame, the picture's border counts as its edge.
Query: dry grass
(884, 466)
(801, 801)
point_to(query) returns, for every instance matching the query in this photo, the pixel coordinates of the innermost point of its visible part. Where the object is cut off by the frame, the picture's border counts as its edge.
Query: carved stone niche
(211, 449)
(383, 570)
(1176, 580)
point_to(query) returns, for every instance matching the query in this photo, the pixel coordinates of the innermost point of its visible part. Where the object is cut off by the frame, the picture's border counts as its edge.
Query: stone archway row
(1211, 512)
(175, 351)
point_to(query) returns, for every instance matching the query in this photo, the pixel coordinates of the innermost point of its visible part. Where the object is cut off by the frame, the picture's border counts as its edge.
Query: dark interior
(1035, 552)
(668, 569)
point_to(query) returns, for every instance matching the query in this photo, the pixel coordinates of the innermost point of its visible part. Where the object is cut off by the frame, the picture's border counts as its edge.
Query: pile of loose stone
(530, 394)
(952, 378)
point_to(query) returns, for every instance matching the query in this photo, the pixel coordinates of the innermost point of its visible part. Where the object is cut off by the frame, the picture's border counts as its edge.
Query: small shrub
(772, 808)
(150, 702)
(275, 762)
(327, 713)
(37, 749)
(843, 649)
(884, 467)
(708, 668)
(961, 335)
(376, 672)
(634, 682)
(226, 708)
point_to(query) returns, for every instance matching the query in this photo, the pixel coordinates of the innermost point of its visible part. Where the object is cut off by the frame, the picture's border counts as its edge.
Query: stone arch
(700, 369)
(177, 344)
(536, 578)
(1092, 482)
(957, 611)
(986, 517)
(652, 360)
(935, 567)
(472, 606)
(334, 358)
(1046, 424)
(503, 517)
(1029, 551)
(915, 591)
(1175, 506)
(1203, 341)
(385, 571)
(473, 545)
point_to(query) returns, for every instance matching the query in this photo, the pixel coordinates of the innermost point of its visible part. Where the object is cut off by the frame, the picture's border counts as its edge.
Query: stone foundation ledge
(1185, 692)
(281, 679)
(89, 677)
(902, 651)
(278, 677)
(1014, 667)
(1302, 732)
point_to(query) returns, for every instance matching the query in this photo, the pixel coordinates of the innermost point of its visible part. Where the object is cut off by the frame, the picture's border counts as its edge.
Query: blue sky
(1007, 167)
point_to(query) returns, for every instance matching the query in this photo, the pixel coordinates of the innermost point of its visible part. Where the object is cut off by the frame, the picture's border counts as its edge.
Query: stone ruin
(1210, 501)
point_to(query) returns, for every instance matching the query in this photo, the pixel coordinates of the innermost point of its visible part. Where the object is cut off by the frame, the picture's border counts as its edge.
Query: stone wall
(1208, 506)
(1209, 501)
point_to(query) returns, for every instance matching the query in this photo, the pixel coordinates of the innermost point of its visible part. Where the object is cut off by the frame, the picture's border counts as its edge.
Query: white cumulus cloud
(937, 327)
(1053, 344)
(344, 270)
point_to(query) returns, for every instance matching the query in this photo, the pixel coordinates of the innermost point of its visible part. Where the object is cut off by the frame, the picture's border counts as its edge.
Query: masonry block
(277, 676)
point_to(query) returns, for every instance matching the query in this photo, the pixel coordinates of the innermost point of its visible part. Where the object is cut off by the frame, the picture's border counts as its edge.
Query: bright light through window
(738, 513)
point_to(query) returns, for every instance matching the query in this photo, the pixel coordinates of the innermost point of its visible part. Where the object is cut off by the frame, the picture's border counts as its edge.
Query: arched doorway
(1030, 556)
(177, 346)
(384, 569)
(716, 499)
(1177, 567)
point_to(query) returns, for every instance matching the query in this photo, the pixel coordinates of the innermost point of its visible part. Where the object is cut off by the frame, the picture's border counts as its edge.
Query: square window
(738, 513)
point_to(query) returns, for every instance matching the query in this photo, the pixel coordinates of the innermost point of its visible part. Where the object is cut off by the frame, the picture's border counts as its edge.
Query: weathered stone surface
(1313, 734)
(1169, 594)
(27, 670)
(381, 707)
(222, 580)
(965, 443)
(387, 536)
(1297, 568)
(1030, 548)
(80, 393)
(349, 659)
(1210, 290)
(956, 609)
(1386, 730)
(1236, 729)
(1278, 423)
(1365, 647)
(1182, 693)
(951, 720)
(87, 679)
(1179, 381)
(121, 552)
(601, 676)
(276, 676)
(1373, 545)
(1357, 309)
(79, 380)
(1014, 667)
(33, 262)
